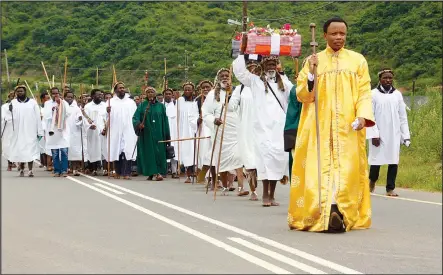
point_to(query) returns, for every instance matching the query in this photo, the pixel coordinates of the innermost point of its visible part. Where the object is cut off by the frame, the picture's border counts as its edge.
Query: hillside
(137, 36)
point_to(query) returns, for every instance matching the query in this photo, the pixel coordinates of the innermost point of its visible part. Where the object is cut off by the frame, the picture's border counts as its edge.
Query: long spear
(7, 67)
(317, 124)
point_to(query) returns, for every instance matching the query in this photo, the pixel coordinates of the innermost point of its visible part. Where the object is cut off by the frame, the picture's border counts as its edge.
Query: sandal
(253, 197)
(266, 203)
(127, 178)
(274, 203)
(159, 177)
(188, 180)
(391, 193)
(242, 192)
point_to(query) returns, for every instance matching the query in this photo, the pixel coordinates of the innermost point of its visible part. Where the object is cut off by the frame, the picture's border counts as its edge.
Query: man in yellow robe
(345, 108)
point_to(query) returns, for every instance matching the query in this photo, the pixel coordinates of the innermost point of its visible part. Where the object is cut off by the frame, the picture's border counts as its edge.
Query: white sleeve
(241, 72)
(234, 102)
(372, 132)
(208, 110)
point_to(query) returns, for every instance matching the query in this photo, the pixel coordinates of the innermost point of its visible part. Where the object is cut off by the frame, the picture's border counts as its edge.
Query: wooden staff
(296, 68)
(183, 139)
(65, 75)
(178, 136)
(317, 124)
(96, 78)
(108, 132)
(7, 67)
(228, 92)
(200, 126)
(46, 74)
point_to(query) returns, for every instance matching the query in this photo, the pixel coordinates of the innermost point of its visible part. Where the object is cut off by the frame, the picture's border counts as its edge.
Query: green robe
(151, 155)
(291, 125)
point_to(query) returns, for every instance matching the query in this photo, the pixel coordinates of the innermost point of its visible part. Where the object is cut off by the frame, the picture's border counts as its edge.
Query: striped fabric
(289, 45)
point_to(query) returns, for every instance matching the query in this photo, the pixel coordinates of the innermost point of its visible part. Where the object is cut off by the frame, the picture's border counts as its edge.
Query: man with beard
(230, 158)
(345, 108)
(171, 113)
(94, 121)
(7, 129)
(271, 94)
(58, 134)
(77, 138)
(122, 135)
(390, 130)
(187, 120)
(242, 100)
(27, 131)
(151, 123)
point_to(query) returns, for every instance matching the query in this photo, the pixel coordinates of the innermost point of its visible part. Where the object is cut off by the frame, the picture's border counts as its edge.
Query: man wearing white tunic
(171, 113)
(94, 124)
(204, 146)
(27, 131)
(55, 116)
(243, 100)
(122, 134)
(390, 130)
(271, 96)
(7, 129)
(77, 139)
(45, 154)
(187, 116)
(230, 158)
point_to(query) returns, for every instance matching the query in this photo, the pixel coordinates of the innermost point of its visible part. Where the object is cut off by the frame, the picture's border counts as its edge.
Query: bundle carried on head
(268, 41)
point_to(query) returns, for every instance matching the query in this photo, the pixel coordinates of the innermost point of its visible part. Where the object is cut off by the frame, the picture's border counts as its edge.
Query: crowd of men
(261, 130)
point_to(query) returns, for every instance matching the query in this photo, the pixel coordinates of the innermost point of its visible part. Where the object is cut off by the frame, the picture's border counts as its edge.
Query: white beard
(271, 75)
(222, 85)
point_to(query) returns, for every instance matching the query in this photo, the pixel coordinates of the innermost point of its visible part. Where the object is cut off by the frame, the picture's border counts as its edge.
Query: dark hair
(69, 92)
(335, 19)
(55, 88)
(94, 91)
(159, 94)
(42, 95)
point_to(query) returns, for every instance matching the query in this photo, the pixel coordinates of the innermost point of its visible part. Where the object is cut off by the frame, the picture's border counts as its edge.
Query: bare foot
(274, 203)
(242, 192)
(253, 197)
(266, 202)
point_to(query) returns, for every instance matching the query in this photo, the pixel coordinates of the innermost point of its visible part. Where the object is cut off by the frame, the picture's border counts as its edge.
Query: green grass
(420, 166)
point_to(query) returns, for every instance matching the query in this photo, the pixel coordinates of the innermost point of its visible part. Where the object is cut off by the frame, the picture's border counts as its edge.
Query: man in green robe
(151, 125)
(291, 125)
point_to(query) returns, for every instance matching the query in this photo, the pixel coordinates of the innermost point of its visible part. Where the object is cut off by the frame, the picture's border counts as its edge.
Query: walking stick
(228, 92)
(213, 149)
(83, 154)
(199, 128)
(193, 164)
(12, 111)
(109, 140)
(178, 144)
(4, 127)
(317, 125)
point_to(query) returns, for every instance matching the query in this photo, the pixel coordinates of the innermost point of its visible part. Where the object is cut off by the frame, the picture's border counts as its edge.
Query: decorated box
(268, 41)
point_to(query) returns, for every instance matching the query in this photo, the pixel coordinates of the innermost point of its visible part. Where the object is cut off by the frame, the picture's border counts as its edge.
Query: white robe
(123, 137)
(171, 113)
(230, 158)
(244, 103)
(272, 161)
(75, 128)
(42, 143)
(60, 139)
(391, 127)
(204, 146)
(7, 130)
(27, 128)
(187, 116)
(97, 149)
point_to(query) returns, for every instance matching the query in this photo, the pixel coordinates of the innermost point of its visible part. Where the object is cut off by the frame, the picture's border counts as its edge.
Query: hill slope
(138, 35)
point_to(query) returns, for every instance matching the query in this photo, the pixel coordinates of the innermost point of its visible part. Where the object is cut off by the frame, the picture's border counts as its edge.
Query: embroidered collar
(330, 51)
(24, 101)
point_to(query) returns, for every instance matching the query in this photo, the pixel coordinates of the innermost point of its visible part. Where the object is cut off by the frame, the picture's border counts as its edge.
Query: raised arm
(241, 72)
(234, 102)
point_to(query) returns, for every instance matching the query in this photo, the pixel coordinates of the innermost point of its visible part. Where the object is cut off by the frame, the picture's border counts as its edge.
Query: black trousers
(374, 172)
(123, 166)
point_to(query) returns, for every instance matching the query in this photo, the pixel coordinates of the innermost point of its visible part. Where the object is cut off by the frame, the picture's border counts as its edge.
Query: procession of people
(310, 132)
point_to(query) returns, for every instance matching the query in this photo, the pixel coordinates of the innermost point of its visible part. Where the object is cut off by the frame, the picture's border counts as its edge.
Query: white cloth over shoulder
(123, 137)
(97, 143)
(7, 130)
(187, 117)
(230, 158)
(243, 101)
(60, 139)
(27, 128)
(391, 126)
(272, 160)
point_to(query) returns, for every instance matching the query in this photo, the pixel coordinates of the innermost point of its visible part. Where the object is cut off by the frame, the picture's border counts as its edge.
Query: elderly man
(271, 95)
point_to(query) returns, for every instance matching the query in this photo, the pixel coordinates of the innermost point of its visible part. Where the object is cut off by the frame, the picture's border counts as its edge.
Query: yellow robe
(344, 93)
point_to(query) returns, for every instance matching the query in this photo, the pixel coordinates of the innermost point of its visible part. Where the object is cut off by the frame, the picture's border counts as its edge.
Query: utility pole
(186, 66)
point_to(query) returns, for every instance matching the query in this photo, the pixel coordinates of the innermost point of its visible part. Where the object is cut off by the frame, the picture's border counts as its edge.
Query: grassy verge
(420, 166)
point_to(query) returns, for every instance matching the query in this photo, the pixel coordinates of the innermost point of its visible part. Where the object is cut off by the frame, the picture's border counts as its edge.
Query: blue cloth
(60, 160)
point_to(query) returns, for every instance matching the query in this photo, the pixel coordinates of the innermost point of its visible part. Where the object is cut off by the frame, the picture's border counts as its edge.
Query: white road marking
(406, 199)
(246, 256)
(237, 230)
(277, 256)
(109, 189)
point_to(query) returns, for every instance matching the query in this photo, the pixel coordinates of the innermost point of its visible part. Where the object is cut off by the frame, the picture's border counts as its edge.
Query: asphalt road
(101, 225)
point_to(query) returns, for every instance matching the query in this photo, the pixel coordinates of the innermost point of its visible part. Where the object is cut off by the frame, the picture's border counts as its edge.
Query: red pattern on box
(289, 45)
